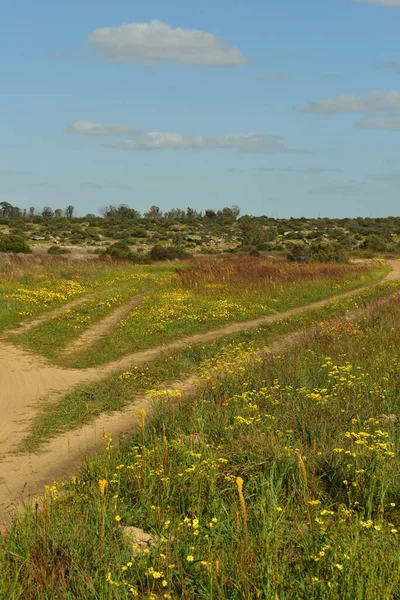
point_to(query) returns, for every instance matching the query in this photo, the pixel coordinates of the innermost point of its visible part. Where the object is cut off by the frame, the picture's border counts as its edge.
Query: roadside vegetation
(279, 478)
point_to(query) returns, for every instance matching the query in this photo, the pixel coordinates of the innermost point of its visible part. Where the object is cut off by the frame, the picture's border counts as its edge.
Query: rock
(139, 539)
(194, 438)
(387, 419)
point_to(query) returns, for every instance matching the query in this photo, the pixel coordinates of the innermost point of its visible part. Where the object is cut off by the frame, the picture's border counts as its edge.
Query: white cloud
(101, 185)
(390, 3)
(319, 170)
(393, 177)
(135, 139)
(155, 42)
(245, 142)
(272, 76)
(344, 189)
(373, 101)
(384, 123)
(89, 128)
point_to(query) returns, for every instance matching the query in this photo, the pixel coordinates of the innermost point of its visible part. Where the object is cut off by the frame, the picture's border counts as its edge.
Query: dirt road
(25, 380)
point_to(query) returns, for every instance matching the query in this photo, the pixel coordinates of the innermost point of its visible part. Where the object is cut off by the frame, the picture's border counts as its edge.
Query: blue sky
(285, 108)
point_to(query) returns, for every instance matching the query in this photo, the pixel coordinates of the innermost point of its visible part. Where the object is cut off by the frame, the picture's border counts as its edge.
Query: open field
(30, 286)
(249, 422)
(201, 295)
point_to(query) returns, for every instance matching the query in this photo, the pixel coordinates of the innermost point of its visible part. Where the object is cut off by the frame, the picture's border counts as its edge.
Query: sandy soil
(25, 380)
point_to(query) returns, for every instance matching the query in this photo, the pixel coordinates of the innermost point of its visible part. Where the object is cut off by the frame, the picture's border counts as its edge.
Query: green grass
(280, 480)
(29, 286)
(179, 310)
(85, 403)
(53, 336)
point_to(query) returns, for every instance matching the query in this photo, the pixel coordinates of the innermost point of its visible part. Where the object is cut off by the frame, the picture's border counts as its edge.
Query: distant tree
(69, 211)
(228, 214)
(210, 214)
(8, 211)
(58, 212)
(122, 211)
(254, 232)
(32, 211)
(47, 212)
(155, 212)
(177, 214)
(192, 214)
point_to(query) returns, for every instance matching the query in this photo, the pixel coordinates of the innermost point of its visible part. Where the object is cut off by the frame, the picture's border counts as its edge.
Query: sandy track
(26, 379)
(49, 314)
(104, 327)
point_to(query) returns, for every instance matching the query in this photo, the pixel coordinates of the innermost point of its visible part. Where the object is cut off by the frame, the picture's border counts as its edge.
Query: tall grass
(280, 480)
(210, 293)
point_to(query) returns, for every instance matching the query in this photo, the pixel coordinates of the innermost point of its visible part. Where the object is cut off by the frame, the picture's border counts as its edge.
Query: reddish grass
(256, 271)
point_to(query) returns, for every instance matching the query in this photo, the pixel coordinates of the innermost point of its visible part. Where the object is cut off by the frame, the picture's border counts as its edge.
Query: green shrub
(375, 243)
(15, 244)
(298, 253)
(119, 250)
(122, 250)
(167, 253)
(58, 250)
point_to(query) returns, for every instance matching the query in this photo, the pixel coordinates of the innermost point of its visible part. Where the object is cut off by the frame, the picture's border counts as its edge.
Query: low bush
(58, 250)
(167, 253)
(14, 244)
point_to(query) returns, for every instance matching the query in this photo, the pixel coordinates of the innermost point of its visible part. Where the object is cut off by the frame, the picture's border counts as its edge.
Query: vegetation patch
(210, 293)
(84, 404)
(281, 479)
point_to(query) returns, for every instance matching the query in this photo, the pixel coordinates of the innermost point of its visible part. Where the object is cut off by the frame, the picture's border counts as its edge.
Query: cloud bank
(373, 101)
(89, 128)
(156, 42)
(160, 140)
(245, 142)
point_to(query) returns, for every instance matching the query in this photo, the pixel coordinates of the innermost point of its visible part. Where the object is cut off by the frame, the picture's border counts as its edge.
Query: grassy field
(30, 286)
(279, 479)
(82, 405)
(193, 297)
